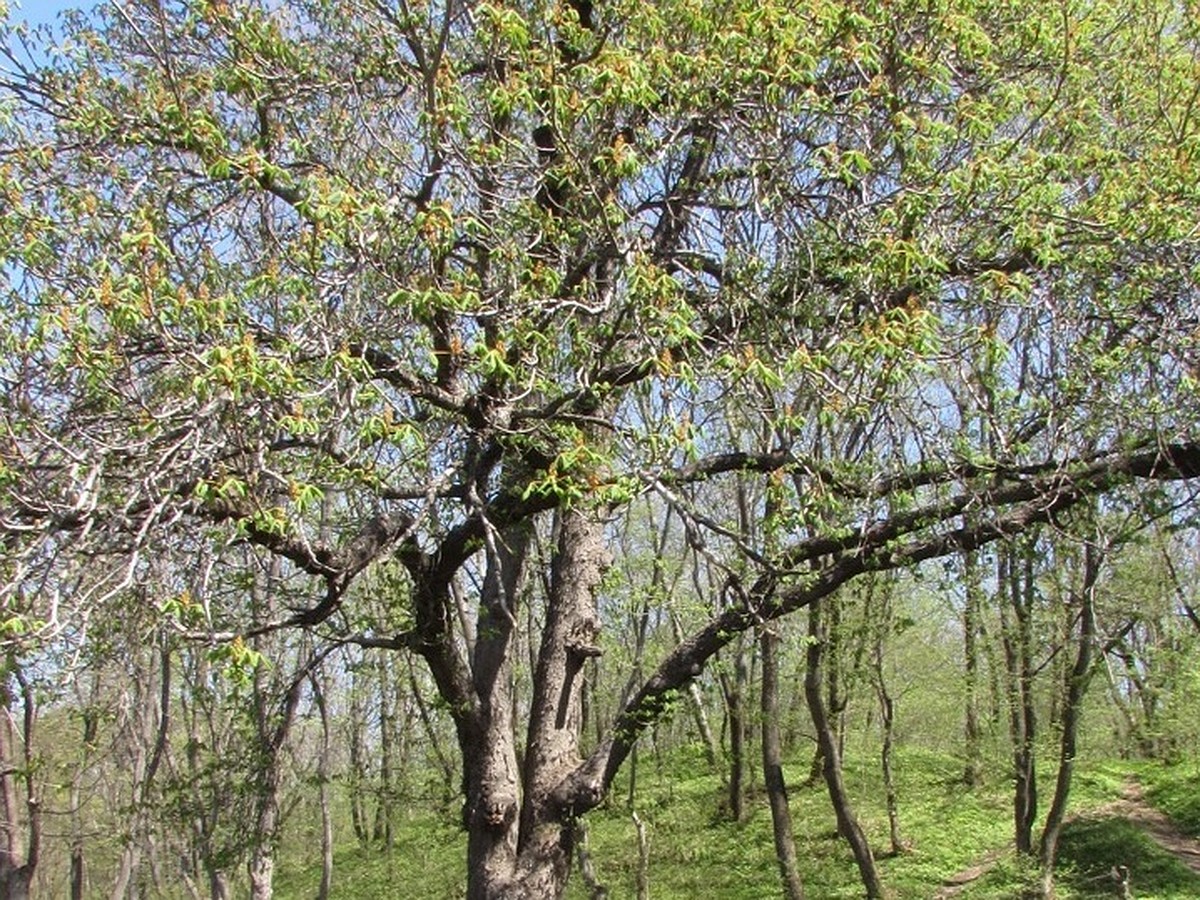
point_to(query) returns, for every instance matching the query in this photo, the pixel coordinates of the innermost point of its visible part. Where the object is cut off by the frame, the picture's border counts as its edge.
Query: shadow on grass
(1090, 848)
(1178, 795)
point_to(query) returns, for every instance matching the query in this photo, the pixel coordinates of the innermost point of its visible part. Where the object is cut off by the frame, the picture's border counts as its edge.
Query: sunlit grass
(696, 851)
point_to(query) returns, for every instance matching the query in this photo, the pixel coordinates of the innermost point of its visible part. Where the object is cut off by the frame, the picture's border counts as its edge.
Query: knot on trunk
(582, 643)
(496, 815)
(577, 794)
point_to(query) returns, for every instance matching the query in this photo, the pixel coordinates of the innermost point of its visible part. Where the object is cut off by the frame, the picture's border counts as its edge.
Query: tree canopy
(375, 287)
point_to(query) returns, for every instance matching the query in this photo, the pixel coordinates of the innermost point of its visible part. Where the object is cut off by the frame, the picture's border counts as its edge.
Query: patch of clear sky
(41, 12)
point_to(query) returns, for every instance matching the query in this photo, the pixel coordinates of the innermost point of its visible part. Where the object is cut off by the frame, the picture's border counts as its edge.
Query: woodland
(576, 448)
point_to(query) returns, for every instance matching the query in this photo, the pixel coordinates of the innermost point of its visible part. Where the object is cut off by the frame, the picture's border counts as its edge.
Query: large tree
(403, 288)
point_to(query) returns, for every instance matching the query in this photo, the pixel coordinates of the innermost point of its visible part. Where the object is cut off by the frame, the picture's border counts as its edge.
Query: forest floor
(1131, 806)
(1144, 817)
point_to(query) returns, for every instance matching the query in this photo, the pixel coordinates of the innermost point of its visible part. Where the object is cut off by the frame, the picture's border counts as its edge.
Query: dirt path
(957, 883)
(1131, 806)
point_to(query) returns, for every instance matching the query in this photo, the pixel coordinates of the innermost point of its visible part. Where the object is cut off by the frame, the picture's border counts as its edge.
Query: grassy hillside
(695, 851)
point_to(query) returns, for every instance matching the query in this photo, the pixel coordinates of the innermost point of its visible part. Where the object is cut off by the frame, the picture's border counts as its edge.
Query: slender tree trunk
(972, 607)
(887, 711)
(631, 793)
(848, 825)
(387, 715)
(274, 718)
(91, 721)
(839, 676)
(323, 777)
(1016, 583)
(1072, 710)
(445, 763)
(18, 854)
(148, 733)
(643, 867)
(735, 704)
(358, 777)
(587, 869)
(772, 755)
(218, 885)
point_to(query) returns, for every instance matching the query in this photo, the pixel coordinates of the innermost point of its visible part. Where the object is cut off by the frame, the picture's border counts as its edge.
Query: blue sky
(35, 12)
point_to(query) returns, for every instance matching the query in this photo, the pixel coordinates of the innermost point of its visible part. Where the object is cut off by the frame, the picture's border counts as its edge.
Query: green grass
(427, 860)
(1090, 847)
(695, 851)
(1175, 789)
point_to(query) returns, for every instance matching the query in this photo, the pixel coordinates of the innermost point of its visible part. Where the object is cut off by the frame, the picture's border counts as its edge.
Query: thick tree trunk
(569, 639)
(15, 883)
(1072, 710)
(848, 825)
(262, 875)
(490, 770)
(772, 756)
(520, 837)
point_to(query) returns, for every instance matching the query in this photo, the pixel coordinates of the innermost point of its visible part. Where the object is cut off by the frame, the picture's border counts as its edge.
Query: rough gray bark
(490, 768)
(569, 639)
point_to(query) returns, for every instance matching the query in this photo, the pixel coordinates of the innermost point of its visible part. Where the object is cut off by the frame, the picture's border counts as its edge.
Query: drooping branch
(901, 541)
